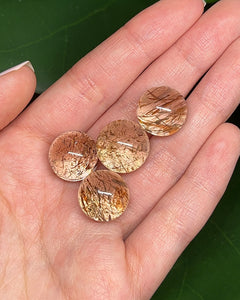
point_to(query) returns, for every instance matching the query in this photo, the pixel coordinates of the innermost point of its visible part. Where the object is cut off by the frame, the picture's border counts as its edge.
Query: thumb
(17, 86)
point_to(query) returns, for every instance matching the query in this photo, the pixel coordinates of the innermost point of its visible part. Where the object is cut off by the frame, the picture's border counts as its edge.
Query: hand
(49, 248)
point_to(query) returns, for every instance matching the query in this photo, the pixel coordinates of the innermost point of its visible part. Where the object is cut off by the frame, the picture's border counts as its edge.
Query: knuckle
(135, 40)
(135, 271)
(84, 85)
(195, 55)
(212, 101)
(162, 164)
(177, 229)
(202, 183)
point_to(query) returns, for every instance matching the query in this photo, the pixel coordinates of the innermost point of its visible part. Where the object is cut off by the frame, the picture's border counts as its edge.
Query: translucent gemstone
(73, 155)
(122, 146)
(162, 111)
(103, 195)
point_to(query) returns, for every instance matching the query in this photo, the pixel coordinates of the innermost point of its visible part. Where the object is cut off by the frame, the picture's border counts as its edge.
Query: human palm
(49, 248)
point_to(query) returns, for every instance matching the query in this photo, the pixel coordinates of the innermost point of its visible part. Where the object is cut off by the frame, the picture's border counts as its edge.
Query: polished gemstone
(73, 155)
(103, 195)
(122, 146)
(162, 111)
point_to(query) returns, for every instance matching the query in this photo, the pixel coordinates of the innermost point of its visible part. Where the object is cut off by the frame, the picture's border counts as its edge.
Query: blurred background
(53, 35)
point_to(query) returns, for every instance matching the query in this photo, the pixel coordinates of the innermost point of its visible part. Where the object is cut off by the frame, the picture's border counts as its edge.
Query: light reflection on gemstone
(163, 108)
(104, 193)
(125, 144)
(77, 154)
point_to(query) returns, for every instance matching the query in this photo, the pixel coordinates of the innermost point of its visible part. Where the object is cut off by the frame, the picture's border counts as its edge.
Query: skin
(49, 248)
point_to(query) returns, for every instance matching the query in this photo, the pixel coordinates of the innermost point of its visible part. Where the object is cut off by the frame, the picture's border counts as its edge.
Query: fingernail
(15, 68)
(204, 3)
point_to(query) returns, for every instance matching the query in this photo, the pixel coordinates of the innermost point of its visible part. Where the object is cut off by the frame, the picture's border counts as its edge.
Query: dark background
(53, 35)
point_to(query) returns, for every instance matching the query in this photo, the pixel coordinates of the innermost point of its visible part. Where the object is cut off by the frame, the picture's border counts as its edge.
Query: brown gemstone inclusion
(72, 155)
(103, 195)
(122, 146)
(162, 111)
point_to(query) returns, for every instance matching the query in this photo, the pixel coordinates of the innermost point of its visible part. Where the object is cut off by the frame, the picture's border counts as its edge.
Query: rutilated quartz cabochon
(162, 111)
(103, 195)
(122, 146)
(72, 155)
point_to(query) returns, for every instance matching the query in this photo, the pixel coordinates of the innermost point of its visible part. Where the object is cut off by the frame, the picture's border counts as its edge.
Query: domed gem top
(162, 111)
(122, 146)
(103, 195)
(72, 155)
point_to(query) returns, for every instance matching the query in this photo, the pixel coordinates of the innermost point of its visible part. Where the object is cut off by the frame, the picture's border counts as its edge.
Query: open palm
(49, 248)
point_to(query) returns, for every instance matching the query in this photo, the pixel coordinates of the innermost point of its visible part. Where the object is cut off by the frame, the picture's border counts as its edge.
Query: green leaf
(55, 34)
(210, 266)
(211, 1)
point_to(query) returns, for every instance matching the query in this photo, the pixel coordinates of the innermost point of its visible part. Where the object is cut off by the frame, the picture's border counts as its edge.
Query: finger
(182, 212)
(169, 157)
(185, 62)
(17, 86)
(94, 83)
(214, 99)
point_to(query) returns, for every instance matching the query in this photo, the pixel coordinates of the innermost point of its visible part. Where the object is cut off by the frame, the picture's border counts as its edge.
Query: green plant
(53, 35)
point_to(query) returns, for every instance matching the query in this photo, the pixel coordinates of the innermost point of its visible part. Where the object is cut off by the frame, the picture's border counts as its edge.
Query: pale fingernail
(15, 68)
(204, 3)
